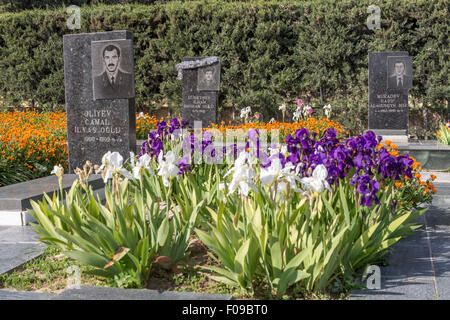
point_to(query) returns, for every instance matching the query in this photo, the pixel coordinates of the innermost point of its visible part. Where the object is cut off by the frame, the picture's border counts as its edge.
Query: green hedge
(19, 5)
(272, 52)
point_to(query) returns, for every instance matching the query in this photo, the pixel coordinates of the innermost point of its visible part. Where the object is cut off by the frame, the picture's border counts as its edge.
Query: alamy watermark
(227, 144)
(74, 279)
(373, 275)
(374, 20)
(74, 21)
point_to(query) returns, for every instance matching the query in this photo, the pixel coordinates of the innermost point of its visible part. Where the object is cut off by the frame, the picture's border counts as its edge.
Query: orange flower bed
(32, 141)
(285, 128)
(145, 123)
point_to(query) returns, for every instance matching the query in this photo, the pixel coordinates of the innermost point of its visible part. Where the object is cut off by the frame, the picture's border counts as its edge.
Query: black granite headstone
(200, 86)
(390, 76)
(95, 127)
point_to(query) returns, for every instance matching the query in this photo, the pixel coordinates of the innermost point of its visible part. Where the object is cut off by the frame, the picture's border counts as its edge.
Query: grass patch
(46, 273)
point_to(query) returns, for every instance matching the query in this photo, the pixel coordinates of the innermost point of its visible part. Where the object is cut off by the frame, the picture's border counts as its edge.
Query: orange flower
(426, 190)
(398, 184)
(388, 142)
(417, 175)
(434, 191)
(433, 177)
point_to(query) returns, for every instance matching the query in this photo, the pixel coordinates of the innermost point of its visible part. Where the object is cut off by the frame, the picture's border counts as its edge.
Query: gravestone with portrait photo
(99, 87)
(201, 82)
(390, 77)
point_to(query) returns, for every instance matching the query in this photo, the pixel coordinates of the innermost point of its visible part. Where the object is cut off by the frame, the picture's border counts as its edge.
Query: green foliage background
(271, 52)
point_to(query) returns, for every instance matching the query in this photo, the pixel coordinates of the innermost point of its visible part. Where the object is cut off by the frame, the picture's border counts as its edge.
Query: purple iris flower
(368, 188)
(339, 153)
(183, 164)
(301, 134)
(156, 147)
(184, 123)
(161, 125)
(174, 125)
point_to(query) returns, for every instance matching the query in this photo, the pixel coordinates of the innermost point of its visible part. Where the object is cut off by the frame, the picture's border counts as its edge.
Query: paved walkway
(419, 265)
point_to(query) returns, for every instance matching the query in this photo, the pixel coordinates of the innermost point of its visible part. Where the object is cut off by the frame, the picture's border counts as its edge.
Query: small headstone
(99, 83)
(201, 81)
(390, 77)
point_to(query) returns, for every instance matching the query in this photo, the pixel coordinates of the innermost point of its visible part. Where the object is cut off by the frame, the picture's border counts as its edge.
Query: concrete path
(18, 245)
(419, 265)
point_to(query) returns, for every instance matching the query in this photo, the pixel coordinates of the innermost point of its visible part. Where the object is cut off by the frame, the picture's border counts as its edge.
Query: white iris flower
(112, 162)
(317, 182)
(143, 163)
(243, 175)
(167, 167)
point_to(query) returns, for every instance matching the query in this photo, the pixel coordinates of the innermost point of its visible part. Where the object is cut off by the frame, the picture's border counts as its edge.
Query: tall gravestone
(390, 77)
(201, 81)
(99, 85)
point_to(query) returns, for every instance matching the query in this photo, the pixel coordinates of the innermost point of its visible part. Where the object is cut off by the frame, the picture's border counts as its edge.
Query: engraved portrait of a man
(208, 78)
(398, 75)
(113, 82)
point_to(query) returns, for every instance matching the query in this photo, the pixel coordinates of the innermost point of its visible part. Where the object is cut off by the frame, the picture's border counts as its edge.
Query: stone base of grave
(104, 293)
(398, 137)
(398, 140)
(15, 199)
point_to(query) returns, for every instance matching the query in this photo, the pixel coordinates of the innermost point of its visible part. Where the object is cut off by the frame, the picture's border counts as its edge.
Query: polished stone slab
(23, 295)
(104, 293)
(15, 254)
(388, 104)
(17, 234)
(16, 197)
(398, 140)
(198, 104)
(95, 127)
(431, 145)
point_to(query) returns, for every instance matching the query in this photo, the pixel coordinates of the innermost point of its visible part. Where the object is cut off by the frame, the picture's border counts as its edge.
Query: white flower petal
(116, 160)
(243, 188)
(320, 172)
(55, 169)
(145, 160)
(266, 177)
(136, 172)
(126, 174)
(108, 175)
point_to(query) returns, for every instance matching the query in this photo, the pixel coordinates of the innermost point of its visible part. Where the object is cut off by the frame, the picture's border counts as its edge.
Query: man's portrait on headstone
(208, 78)
(399, 72)
(112, 69)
